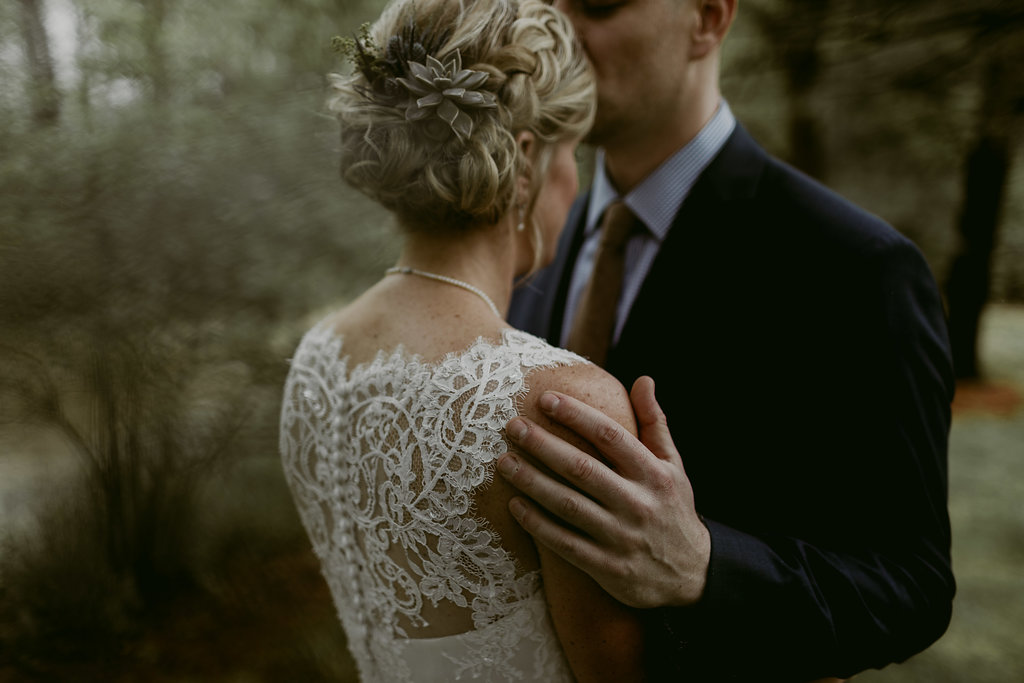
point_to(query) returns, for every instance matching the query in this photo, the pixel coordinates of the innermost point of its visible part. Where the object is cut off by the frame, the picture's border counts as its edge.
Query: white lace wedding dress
(386, 461)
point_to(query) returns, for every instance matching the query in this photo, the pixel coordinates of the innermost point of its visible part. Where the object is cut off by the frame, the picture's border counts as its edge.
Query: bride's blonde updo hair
(433, 174)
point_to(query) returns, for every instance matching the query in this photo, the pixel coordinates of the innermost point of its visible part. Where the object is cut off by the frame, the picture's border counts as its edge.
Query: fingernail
(516, 429)
(516, 507)
(548, 402)
(508, 465)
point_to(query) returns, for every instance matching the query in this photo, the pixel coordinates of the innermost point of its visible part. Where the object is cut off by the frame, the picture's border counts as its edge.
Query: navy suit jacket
(799, 350)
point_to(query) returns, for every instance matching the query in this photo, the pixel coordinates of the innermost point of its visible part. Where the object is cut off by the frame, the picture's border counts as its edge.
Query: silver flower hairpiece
(447, 91)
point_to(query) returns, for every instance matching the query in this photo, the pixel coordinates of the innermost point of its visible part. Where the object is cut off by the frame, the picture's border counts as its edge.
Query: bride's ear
(526, 141)
(527, 144)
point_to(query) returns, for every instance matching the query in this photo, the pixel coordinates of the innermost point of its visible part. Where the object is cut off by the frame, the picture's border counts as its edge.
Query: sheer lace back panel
(389, 462)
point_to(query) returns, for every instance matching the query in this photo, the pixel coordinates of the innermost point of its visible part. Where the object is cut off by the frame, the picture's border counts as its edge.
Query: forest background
(171, 221)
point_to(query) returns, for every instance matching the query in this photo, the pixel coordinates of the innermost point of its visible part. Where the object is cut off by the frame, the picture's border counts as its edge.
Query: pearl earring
(521, 226)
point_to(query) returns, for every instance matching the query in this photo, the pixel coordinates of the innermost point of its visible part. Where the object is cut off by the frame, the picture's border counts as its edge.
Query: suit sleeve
(782, 607)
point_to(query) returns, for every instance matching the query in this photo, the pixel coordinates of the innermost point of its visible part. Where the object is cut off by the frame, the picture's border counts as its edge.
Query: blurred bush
(163, 243)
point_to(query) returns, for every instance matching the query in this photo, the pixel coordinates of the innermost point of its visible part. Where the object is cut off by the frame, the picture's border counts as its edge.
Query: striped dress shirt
(655, 202)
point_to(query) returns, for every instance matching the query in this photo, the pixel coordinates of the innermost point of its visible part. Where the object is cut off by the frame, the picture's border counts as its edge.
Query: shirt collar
(656, 200)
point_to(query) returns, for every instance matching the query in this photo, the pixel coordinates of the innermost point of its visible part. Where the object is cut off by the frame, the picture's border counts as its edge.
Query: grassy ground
(267, 616)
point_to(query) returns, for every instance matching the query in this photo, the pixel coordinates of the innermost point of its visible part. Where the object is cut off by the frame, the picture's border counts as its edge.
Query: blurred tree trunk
(802, 59)
(987, 169)
(153, 39)
(83, 21)
(43, 95)
(796, 30)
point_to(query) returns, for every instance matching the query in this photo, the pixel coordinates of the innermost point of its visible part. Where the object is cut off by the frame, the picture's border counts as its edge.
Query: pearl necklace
(397, 270)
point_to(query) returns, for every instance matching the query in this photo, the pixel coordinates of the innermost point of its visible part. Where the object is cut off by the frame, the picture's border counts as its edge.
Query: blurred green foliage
(163, 243)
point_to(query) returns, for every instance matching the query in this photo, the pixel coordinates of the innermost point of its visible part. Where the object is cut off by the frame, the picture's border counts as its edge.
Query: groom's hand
(635, 531)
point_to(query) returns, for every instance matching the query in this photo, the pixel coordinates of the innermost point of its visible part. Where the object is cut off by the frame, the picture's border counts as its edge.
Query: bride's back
(394, 415)
(426, 318)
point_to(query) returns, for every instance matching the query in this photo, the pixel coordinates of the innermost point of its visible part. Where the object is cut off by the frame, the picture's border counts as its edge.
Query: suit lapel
(712, 216)
(569, 247)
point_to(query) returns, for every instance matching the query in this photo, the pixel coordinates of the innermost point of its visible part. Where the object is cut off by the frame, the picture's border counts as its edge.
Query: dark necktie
(594, 322)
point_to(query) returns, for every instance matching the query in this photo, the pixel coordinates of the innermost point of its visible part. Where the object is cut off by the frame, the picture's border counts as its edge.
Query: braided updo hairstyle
(429, 177)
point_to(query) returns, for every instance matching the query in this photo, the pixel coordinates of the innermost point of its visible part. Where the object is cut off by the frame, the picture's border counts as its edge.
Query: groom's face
(640, 51)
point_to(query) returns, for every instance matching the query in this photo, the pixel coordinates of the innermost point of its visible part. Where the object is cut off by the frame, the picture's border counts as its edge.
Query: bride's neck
(483, 257)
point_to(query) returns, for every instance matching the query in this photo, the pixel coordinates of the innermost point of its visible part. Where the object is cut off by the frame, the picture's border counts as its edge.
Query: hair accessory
(447, 91)
(407, 76)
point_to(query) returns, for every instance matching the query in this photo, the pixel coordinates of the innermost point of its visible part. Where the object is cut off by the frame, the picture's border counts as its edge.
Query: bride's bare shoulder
(586, 382)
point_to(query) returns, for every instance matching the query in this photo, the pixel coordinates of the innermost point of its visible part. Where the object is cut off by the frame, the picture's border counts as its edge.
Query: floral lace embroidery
(383, 460)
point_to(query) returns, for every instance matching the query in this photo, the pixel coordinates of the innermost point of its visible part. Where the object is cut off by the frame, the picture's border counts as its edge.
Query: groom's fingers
(620, 448)
(582, 470)
(562, 501)
(651, 422)
(569, 545)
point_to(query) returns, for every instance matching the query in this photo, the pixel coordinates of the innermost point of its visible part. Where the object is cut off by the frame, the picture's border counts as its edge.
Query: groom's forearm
(788, 610)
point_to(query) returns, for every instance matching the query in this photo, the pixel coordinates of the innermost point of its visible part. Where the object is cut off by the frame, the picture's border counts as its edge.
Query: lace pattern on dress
(383, 459)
